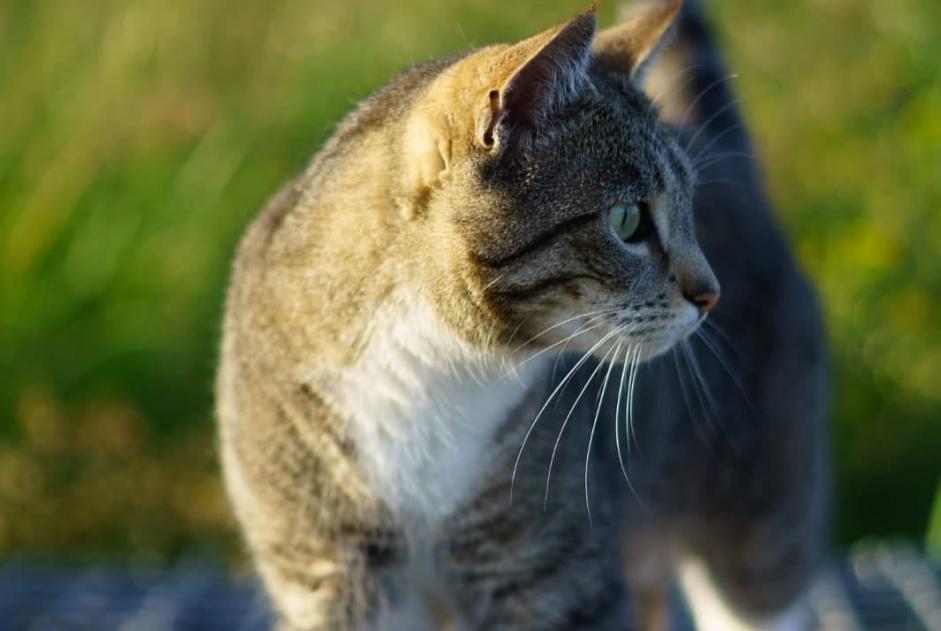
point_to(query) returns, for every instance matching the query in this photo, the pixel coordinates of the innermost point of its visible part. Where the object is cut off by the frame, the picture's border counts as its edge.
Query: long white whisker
(627, 400)
(626, 327)
(568, 416)
(594, 425)
(585, 328)
(563, 323)
(630, 398)
(581, 331)
(558, 387)
(559, 355)
(617, 414)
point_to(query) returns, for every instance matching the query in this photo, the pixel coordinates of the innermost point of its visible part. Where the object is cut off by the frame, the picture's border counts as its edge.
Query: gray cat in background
(475, 371)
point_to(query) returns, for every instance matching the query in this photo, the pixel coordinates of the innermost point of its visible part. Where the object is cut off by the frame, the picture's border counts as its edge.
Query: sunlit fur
(433, 346)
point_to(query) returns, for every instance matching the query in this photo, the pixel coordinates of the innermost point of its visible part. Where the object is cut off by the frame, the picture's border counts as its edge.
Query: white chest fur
(424, 408)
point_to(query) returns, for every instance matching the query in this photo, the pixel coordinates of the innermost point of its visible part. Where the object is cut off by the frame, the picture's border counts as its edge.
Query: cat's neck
(424, 407)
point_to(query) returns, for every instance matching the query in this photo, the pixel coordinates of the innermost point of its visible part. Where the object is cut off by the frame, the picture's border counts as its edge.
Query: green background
(137, 137)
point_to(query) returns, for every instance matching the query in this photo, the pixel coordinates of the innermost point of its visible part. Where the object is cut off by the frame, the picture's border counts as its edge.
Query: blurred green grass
(138, 136)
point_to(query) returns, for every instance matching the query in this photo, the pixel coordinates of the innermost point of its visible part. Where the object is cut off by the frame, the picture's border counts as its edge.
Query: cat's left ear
(630, 46)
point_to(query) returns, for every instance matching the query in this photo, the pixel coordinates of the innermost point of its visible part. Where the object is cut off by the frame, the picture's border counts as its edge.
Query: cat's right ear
(534, 78)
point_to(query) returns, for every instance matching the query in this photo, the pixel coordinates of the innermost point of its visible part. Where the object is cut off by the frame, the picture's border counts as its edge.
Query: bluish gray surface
(875, 588)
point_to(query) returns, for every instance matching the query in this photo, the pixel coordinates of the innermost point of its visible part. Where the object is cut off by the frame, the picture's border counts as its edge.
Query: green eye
(625, 219)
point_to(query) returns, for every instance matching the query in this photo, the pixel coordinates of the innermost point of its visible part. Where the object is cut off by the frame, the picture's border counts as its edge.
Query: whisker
(722, 134)
(694, 363)
(686, 400)
(494, 281)
(516, 330)
(558, 440)
(627, 401)
(581, 331)
(703, 407)
(558, 357)
(563, 323)
(630, 399)
(591, 437)
(697, 372)
(675, 88)
(627, 327)
(695, 385)
(720, 181)
(558, 387)
(728, 369)
(617, 414)
(714, 327)
(719, 112)
(719, 157)
(704, 92)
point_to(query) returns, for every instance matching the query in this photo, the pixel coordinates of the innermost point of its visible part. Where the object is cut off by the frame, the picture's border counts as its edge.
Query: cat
(431, 403)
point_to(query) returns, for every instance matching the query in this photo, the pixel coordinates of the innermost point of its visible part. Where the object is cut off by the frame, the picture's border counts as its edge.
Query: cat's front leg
(522, 569)
(578, 595)
(312, 554)
(317, 586)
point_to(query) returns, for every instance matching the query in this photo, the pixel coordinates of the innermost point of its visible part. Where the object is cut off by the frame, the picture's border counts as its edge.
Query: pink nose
(704, 300)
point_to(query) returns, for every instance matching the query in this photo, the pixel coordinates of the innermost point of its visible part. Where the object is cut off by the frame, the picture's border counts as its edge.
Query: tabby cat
(432, 408)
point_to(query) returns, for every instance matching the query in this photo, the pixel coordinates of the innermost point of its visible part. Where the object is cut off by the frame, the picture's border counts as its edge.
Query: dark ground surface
(874, 588)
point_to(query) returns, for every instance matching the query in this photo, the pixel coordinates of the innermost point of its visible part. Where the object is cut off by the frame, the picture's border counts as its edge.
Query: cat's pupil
(625, 219)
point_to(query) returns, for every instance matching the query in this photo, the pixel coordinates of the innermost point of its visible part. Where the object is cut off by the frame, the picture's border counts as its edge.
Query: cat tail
(692, 84)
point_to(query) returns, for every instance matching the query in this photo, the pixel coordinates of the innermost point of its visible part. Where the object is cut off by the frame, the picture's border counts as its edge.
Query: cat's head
(559, 202)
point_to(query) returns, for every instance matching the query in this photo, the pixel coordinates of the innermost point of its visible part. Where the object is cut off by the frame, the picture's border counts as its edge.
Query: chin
(660, 344)
(657, 348)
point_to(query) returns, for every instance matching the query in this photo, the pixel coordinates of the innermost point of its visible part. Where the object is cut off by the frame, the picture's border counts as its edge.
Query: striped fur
(442, 275)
